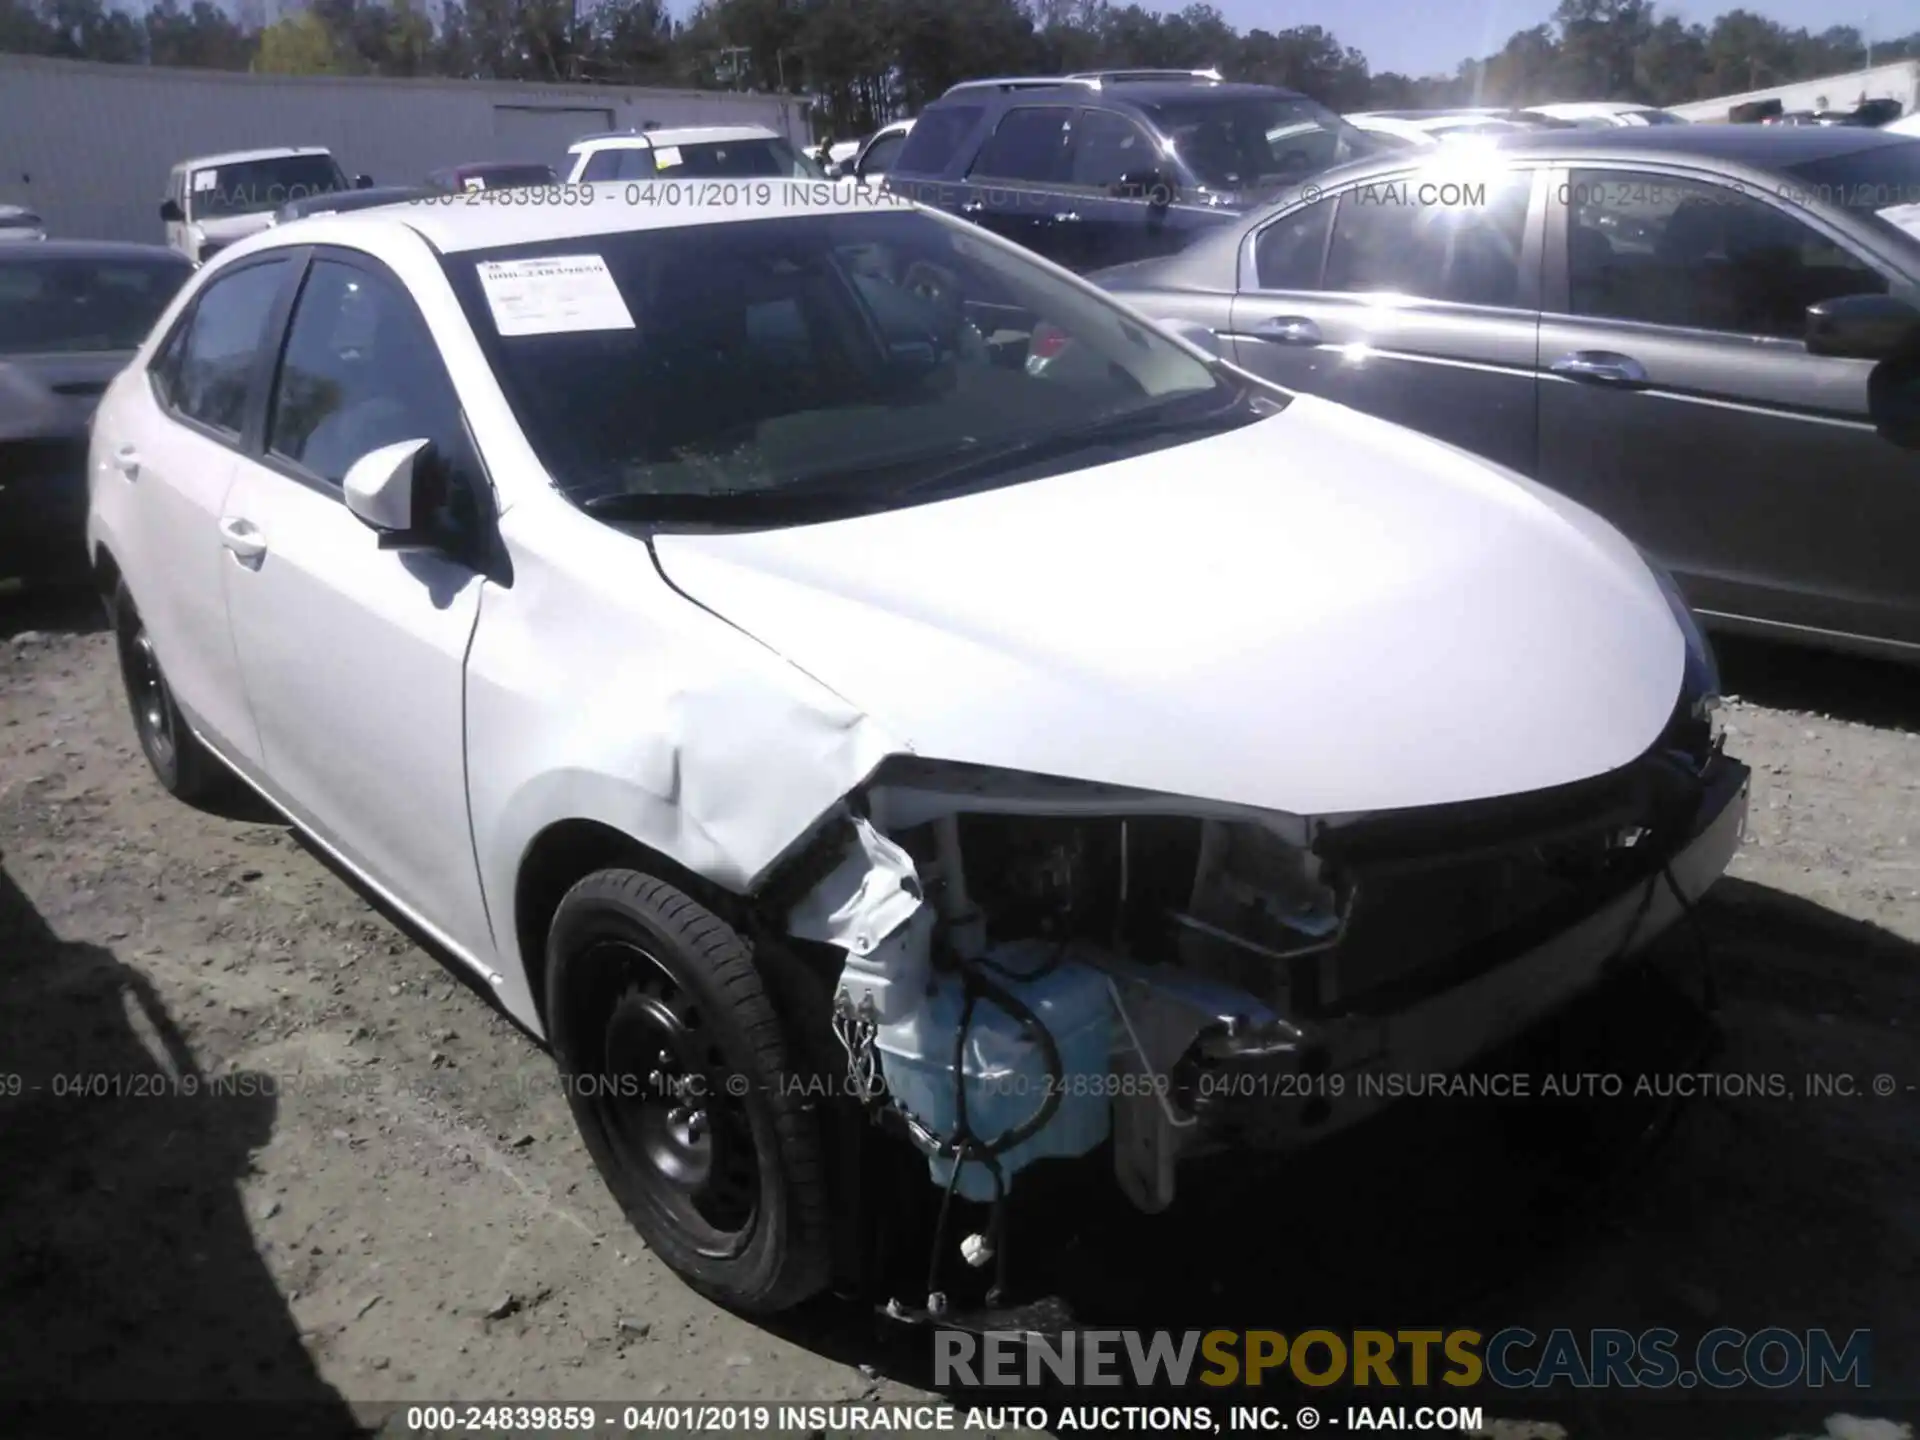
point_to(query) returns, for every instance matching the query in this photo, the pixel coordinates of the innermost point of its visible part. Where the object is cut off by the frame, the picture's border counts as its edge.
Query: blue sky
(1422, 37)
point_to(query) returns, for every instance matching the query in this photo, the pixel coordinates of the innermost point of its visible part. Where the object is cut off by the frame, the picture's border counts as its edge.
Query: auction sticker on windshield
(558, 295)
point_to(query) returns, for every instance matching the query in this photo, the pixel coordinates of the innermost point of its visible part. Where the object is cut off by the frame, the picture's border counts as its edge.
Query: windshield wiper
(832, 490)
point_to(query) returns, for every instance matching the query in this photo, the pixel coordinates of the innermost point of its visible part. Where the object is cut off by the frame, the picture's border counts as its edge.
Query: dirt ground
(383, 1198)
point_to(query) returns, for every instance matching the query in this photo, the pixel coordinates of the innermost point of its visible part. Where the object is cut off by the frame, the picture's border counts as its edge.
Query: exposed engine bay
(1034, 969)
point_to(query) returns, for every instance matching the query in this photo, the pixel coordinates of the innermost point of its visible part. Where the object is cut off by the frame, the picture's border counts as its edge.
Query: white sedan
(704, 625)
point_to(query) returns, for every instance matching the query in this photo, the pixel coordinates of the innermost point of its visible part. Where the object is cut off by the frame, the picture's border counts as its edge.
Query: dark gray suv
(1105, 167)
(1620, 314)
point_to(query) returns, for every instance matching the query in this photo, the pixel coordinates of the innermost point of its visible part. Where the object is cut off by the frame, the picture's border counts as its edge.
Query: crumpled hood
(1320, 614)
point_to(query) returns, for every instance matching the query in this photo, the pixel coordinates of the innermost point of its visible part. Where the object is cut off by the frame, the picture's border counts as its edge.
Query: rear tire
(185, 768)
(679, 1076)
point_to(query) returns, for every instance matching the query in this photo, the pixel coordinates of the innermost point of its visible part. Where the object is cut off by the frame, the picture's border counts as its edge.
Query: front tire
(185, 768)
(678, 1074)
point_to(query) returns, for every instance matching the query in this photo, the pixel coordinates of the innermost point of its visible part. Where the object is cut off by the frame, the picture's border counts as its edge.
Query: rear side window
(936, 138)
(1288, 253)
(209, 374)
(1028, 144)
(1396, 237)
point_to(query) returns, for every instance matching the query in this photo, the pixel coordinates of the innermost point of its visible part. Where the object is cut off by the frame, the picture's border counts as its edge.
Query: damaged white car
(837, 736)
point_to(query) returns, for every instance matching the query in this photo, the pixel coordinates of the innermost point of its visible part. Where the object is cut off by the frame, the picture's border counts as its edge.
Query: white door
(354, 656)
(172, 460)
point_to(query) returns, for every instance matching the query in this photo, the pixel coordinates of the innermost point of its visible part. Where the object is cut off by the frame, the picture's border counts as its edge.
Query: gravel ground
(383, 1200)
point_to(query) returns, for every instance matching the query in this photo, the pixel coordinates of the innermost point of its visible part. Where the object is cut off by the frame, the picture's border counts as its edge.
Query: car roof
(456, 229)
(95, 250)
(1132, 92)
(684, 135)
(240, 157)
(472, 167)
(1761, 146)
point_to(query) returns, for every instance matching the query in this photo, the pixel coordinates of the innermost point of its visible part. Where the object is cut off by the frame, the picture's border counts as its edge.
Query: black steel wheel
(676, 1069)
(184, 767)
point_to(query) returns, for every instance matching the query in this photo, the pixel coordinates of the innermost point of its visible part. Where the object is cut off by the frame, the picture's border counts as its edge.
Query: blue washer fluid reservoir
(1007, 1077)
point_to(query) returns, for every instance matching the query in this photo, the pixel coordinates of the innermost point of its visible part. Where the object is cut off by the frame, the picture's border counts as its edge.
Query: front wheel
(678, 1074)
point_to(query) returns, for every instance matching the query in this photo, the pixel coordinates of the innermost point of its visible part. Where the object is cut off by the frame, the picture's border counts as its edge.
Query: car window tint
(936, 137)
(360, 371)
(222, 342)
(602, 165)
(1288, 253)
(1438, 241)
(52, 303)
(1028, 144)
(630, 163)
(1692, 253)
(881, 154)
(1107, 147)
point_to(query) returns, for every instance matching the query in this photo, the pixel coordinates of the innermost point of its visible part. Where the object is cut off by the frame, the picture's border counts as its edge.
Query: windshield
(733, 160)
(1259, 143)
(845, 358)
(255, 185)
(1660, 117)
(504, 177)
(52, 304)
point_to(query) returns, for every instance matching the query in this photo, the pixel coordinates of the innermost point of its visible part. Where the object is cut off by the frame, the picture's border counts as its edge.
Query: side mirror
(1863, 327)
(1194, 333)
(380, 488)
(171, 212)
(363, 182)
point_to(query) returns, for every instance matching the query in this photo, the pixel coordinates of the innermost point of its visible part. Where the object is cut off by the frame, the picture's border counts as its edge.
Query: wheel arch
(566, 852)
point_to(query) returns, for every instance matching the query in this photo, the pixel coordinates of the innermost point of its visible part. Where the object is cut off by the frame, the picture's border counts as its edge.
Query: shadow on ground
(1743, 1209)
(53, 610)
(128, 1270)
(1847, 687)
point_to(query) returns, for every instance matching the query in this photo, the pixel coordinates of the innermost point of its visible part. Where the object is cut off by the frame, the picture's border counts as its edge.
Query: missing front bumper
(1330, 1073)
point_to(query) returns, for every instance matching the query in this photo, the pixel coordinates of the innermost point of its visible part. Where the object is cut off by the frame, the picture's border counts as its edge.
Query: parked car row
(214, 200)
(1621, 315)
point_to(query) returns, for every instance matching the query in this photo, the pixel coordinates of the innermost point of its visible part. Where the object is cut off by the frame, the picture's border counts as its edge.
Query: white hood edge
(1320, 614)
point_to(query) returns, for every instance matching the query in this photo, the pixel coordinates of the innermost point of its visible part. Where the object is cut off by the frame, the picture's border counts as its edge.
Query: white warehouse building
(89, 146)
(1899, 81)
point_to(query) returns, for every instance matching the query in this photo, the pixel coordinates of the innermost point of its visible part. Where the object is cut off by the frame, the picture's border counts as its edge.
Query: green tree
(301, 44)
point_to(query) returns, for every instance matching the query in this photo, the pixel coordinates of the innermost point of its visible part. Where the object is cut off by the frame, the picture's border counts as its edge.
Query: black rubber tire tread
(794, 1189)
(196, 775)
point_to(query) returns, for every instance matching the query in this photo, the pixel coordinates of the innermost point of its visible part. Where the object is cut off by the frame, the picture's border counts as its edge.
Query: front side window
(1030, 144)
(1671, 251)
(63, 304)
(220, 349)
(1109, 149)
(1288, 253)
(735, 371)
(1432, 238)
(254, 185)
(360, 370)
(1256, 145)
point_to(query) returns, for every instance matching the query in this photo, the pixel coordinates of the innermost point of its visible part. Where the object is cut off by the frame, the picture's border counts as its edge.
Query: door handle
(127, 461)
(244, 540)
(1066, 217)
(972, 207)
(1601, 367)
(1288, 330)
